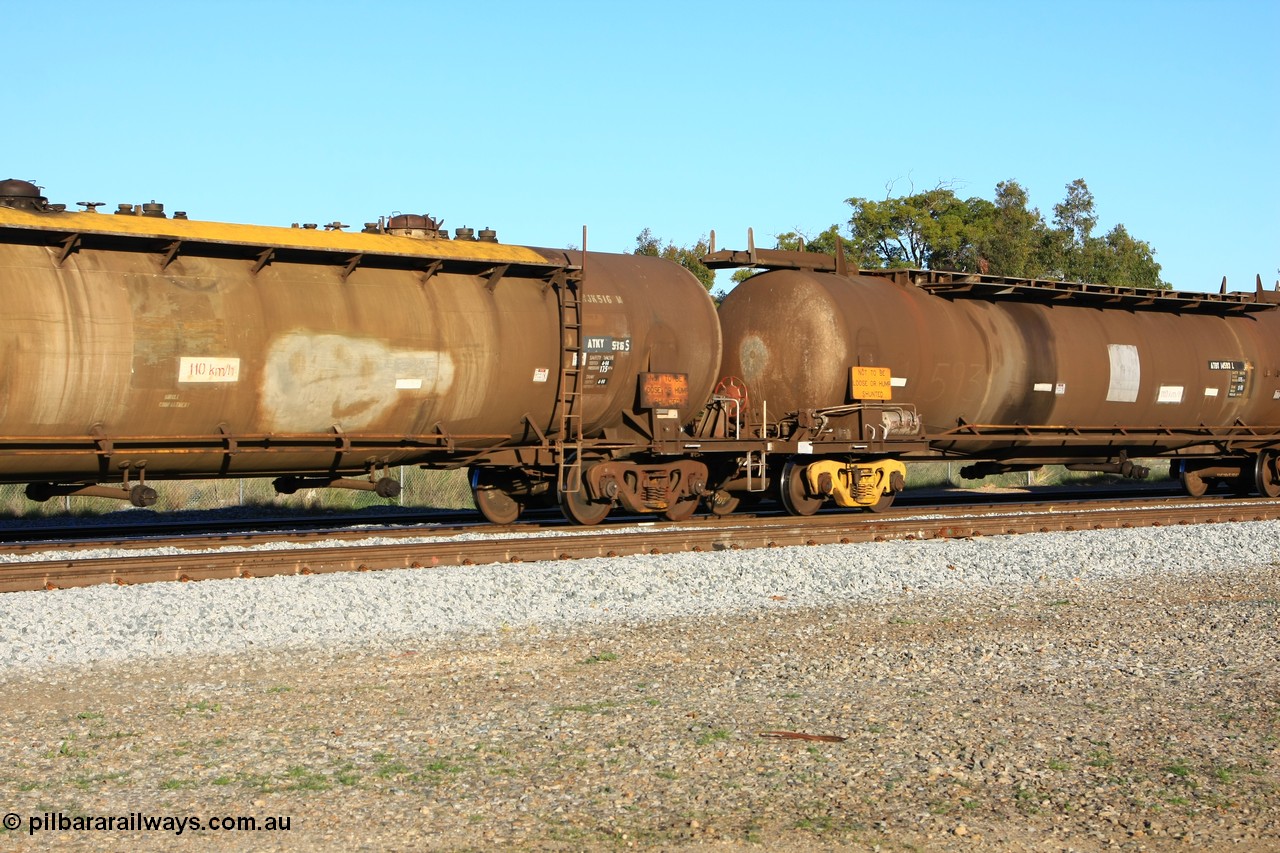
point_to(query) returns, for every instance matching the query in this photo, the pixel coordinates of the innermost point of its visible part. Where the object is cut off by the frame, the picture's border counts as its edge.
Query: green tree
(936, 229)
(1074, 254)
(1011, 243)
(689, 257)
(905, 231)
(1120, 260)
(1071, 244)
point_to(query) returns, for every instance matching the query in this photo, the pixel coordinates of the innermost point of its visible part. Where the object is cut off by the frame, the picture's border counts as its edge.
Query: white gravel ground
(114, 624)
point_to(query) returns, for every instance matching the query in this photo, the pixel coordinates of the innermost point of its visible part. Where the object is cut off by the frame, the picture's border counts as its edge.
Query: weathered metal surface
(1080, 376)
(640, 315)
(190, 348)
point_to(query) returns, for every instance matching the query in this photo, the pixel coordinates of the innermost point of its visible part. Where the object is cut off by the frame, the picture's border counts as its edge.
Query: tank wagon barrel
(1009, 373)
(138, 346)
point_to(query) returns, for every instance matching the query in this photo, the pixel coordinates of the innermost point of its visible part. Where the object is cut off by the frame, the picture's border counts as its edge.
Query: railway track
(255, 555)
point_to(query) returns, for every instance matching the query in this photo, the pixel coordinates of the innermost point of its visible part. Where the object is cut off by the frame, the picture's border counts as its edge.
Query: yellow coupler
(855, 484)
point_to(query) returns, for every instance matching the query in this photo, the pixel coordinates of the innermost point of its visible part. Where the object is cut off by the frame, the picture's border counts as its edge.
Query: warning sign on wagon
(664, 390)
(208, 369)
(872, 383)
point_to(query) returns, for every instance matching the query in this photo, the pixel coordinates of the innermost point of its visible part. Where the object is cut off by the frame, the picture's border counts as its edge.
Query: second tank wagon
(1010, 373)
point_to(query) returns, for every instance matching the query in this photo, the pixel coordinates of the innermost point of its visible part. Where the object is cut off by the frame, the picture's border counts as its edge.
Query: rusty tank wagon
(139, 347)
(848, 373)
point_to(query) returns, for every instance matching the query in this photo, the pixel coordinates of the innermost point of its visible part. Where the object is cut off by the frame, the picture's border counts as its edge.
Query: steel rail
(653, 538)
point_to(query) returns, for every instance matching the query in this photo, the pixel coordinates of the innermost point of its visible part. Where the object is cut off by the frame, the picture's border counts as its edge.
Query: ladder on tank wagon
(569, 402)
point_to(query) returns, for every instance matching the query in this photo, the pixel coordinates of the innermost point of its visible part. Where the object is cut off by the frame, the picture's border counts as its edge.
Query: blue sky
(538, 119)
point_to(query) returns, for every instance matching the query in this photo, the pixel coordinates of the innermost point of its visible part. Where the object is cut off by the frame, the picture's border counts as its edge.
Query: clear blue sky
(539, 118)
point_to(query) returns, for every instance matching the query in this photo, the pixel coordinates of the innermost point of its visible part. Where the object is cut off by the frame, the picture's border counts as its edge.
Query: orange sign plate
(664, 390)
(872, 383)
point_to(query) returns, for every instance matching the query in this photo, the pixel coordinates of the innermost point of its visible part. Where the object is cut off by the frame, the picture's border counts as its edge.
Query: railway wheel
(885, 501)
(722, 503)
(896, 484)
(1266, 475)
(680, 510)
(143, 496)
(579, 508)
(1193, 484)
(794, 491)
(490, 489)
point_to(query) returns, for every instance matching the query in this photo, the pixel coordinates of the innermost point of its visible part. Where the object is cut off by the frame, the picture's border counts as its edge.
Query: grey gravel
(106, 623)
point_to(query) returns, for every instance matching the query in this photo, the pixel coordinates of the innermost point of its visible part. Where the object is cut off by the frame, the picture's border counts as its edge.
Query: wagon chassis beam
(1237, 437)
(227, 444)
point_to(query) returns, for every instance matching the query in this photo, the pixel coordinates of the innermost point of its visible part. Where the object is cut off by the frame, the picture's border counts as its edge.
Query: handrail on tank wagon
(958, 285)
(261, 245)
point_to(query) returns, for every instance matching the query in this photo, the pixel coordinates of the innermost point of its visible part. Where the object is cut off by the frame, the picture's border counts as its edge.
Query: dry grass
(434, 489)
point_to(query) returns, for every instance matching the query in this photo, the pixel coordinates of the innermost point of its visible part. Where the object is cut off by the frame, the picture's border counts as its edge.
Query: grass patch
(204, 706)
(1027, 800)
(393, 769)
(817, 825)
(302, 779)
(442, 765)
(603, 657)
(587, 708)
(943, 475)
(68, 749)
(713, 736)
(428, 489)
(1101, 758)
(84, 783)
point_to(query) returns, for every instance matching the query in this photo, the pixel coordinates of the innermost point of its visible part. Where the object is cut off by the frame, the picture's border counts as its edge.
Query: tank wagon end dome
(786, 334)
(21, 194)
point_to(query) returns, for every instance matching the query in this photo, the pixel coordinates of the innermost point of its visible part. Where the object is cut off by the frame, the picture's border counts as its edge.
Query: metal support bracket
(430, 270)
(70, 243)
(351, 265)
(171, 252)
(495, 274)
(264, 258)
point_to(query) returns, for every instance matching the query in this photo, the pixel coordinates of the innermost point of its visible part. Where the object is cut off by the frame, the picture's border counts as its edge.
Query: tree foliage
(936, 229)
(689, 257)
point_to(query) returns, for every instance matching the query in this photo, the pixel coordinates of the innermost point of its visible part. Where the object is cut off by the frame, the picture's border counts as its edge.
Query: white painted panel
(208, 369)
(1126, 373)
